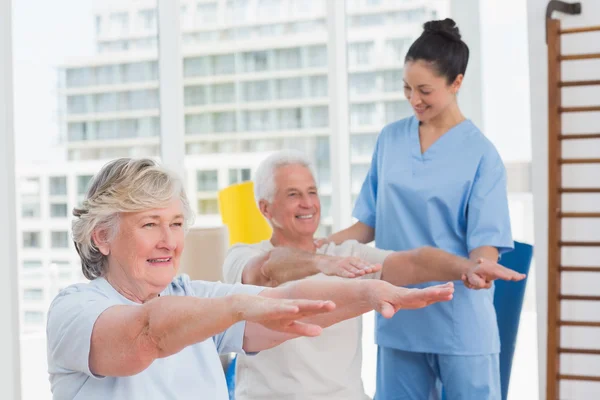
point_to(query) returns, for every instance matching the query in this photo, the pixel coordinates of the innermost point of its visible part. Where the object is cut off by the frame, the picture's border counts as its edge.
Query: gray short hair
(122, 185)
(264, 178)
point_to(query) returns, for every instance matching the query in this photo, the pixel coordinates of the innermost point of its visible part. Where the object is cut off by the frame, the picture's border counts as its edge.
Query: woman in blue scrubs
(436, 180)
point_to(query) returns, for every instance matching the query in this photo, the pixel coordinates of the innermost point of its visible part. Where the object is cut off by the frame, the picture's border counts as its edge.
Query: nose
(168, 240)
(414, 99)
(306, 202)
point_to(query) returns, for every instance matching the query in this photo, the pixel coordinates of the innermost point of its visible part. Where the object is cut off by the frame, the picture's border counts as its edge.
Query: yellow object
(241, 215)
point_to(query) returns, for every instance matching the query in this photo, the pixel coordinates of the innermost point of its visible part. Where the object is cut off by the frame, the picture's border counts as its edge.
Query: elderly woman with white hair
(137, 331)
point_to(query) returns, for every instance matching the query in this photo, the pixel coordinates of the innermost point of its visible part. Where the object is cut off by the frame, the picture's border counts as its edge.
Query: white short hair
(264, 179)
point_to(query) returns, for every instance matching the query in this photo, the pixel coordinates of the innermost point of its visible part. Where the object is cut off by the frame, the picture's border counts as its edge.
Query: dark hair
(440, 44)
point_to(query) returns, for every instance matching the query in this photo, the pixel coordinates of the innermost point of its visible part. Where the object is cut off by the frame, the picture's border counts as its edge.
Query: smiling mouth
(163, 260)
(305, 216)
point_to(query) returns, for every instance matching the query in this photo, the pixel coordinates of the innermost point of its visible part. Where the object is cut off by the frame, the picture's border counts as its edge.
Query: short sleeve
(232, 339)
(71, 320)
(488, 218)
(235, 261)
(364, 209)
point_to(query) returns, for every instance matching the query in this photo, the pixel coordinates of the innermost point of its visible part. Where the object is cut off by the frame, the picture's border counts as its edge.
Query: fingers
(360, 268)
(276, 309)
(321, 242)
(303, 329)
(490, 271)
(386, 310)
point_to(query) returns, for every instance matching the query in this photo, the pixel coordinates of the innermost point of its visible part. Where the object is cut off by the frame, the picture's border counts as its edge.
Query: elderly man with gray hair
(326, 367)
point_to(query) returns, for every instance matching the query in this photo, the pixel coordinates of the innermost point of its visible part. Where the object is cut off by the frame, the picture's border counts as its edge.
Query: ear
(265, 209)
(100, 238)
(457, 83)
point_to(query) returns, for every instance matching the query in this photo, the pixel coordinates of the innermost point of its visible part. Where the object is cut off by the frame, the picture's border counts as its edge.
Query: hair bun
(446, 28)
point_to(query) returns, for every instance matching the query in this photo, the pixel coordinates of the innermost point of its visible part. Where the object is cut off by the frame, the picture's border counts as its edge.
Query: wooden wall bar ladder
(556, 188)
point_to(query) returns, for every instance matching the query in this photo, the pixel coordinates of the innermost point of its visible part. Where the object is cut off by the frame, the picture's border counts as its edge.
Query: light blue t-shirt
(193, 373)
(453, 197)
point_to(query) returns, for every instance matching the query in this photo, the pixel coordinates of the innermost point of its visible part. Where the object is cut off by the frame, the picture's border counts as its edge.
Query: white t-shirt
(327, 367)
(193, 373)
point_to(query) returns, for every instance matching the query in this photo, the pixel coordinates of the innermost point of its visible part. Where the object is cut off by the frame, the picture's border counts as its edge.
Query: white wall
(573, 176)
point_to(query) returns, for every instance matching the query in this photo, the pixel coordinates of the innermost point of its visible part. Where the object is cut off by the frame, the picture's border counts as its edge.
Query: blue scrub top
(452, 197)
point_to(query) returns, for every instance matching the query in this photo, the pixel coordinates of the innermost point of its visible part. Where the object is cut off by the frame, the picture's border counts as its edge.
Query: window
(236, 10)
(290, 118)
(58, 186)
(325, 206)
(207, 181)
(256, 91)
(195, 95)
(59, 239)
(147, 19)
(30, 210)
(393, 81)
(224, 122)
(288, 59)
(395, 110)
(362, 114)
(33, 318)
(255, 61)
(239, 175)
(223, 64)
(198, 66)
(396, 49)
(360, 53)
(290, 88)
(318, 86)
(83, 182)
(77, 104)
(32, 264)
(358, 173)
(32, 240)
(269, 9)
(317, 56)
(208, 206)
(119, 23)
(206, 13)
(362, 145)
(197, 123)
(259, 120)
(58, 210)
(33, 294)
(319, 117)
(363, 83)
(224, 93)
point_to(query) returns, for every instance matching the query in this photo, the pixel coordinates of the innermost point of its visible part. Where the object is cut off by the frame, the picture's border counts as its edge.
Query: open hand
(282, 314)
(388, 299)
(346, 267)
(482, 274)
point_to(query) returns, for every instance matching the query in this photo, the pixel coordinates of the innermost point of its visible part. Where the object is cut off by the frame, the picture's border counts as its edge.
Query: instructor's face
(428, 93)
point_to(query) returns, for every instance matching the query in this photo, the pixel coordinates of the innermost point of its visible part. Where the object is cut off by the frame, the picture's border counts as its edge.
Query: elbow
(148, 342)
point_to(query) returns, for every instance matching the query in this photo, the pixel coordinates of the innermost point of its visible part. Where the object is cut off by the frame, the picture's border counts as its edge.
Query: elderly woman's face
(148, 246)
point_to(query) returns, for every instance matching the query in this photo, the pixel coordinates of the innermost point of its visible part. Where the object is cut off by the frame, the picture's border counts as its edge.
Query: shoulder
(80, 293)
(479, 141)
(259, 247)
(80, 301)
(398, 128)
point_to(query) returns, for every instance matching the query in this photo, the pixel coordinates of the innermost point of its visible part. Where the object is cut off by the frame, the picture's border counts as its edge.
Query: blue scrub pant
(405, 375)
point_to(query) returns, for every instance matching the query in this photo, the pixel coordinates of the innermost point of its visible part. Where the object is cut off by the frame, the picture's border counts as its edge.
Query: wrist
(237, 306)
(321, 263)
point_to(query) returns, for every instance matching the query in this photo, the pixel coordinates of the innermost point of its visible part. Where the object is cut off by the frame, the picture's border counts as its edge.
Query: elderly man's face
(296, 208)
(148, 246)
